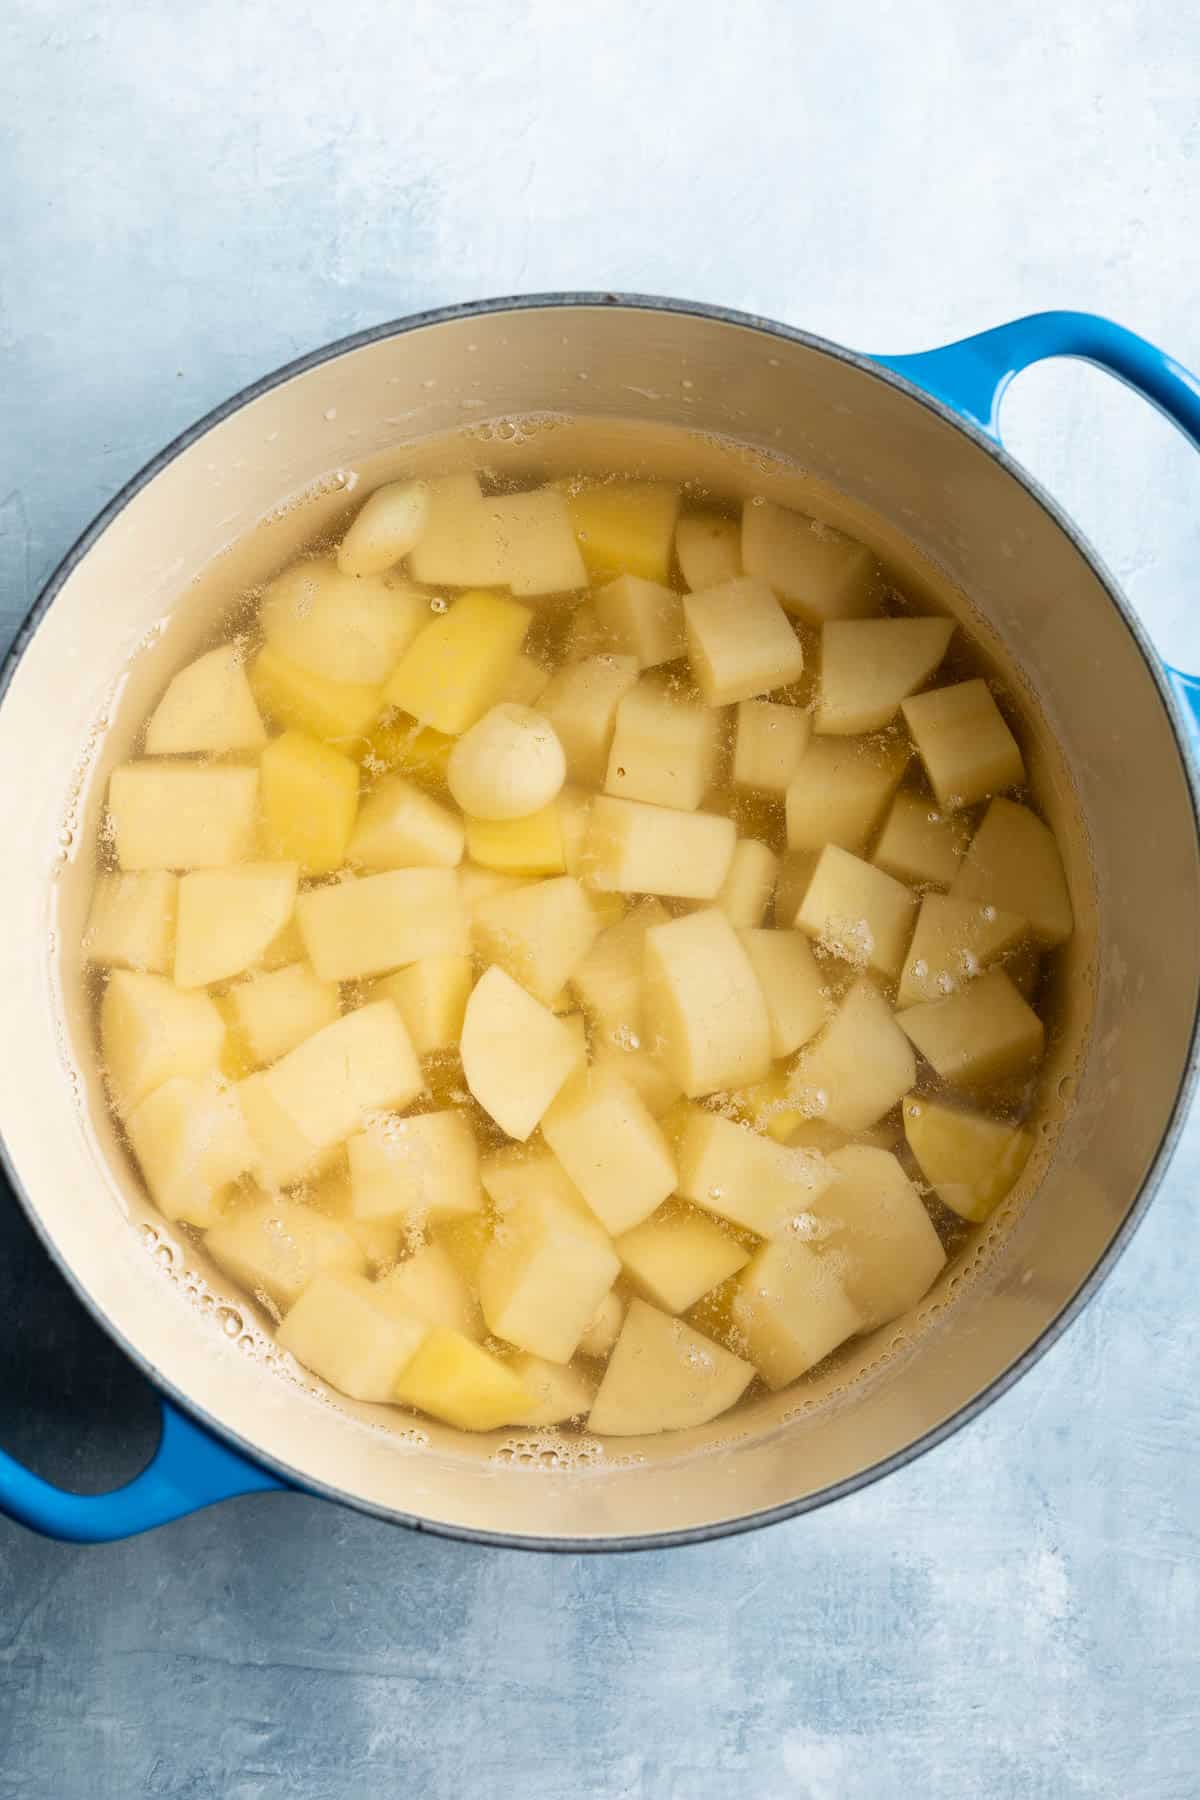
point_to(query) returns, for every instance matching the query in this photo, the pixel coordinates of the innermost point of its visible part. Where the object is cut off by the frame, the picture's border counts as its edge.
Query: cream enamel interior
(1108, 771)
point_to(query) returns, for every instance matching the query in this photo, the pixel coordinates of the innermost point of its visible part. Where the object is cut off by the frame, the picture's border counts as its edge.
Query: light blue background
(191, 194)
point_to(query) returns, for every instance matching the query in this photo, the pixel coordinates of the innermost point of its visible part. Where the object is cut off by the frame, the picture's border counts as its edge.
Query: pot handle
(190, 1469)
(971, 376)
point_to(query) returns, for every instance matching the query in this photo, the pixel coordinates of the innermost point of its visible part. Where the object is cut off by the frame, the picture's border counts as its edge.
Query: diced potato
(131, 924)
(529, 846)
(611, 1147)
(969, 1160)
(739, 641)
(641, 619)
(673, 1260)
(921, 844)
(464, 1241)
(385, 528)
(453, 1379)
(208, 707)
(605, 1328)
(309, 801)
(768, 1106)
(877, 1234)
(704, 1010)
(539, 933)
(868, 666)
(455, 667)
(817, 572)
(642, 1068)
(417, 1169)
(338, 1329)
(791, 1309)
(608, 980)
(559, 1393)
(977, 1036)
(284, 1152)
(708, 549)
(544, 1275)
(968, 751)
(734, 1172)
(475, 885)
(341, 627)
(508, 765)
(191, 1142)
(747, 889)
(538, 551)
(634, 848)
(173, 815)
(953, 942)
(581, 703)
(521, 1170)
(428, 1287)
(791, 883)
(1014, 863)
(362, 1063)
(400, 743)
(276, 1011)
(400, 827)
(525, 682)
(769, 742)
(337, 712)
(432, 997)
(663, 1376)
(857, 912)
(285, 949)
(585, 636)
(626, 527)
(859, 1066)
(369, 925)
(841, 789)
(276, 1247)
(792, 986)
(664, 749)
(459, 542)
(515, 1054)
(151, 1031)
(228, 917)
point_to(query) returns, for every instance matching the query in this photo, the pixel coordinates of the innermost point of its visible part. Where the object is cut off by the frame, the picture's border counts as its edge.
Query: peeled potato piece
(545, 1273)
(385, 528)
(432, 997)
(361, 1063)
(227, 918)
(635, 848)
(969, 1160)
(841, 789)
(732, 1171)
(954, 941)
(207, 707)
(770, 741)
(672, 1261)
(611, 1147)
(400, 827)
(663, 1376)
(605, 1328)
(642, 619)
(539, 934)
(455, 1380)
(515, 1054)
(131, 924)
(337, 712)
(739, 641)
(536, 543)
(968, 751)
(459, 541)
(877, 1233)
(338, 1330)
(580, 701)
(868, 666)
(857, 912)
(380, 922)
(708, 550)
(1014, 863)
(341, 627)
(625, 527)
(191, 1142)
(859, 1066)
(792, 984)
(428, 1286)
(977, 1036)
(455, 666)
(415, 1169)
(276, 1247)
(746, 891)
(791, 1309)
(558, 1392)
(919, 843)
(529, 846)
(309, 802)
(818, 572)
(704, 1010)
(168, 815)
(278, 1009)
(150, 1030)
(664, 749)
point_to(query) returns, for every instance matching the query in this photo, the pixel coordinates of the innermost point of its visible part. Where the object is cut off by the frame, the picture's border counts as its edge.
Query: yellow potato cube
(877, 1233)
(608, 980)
(538, 551)
(704, 1010)
(868, 666)
(430, 1288)
(769, 742)
(284, 1152)
(626, 527)
(515, 1054)
(309, 800)
(287, 948)
(529, 846)
(663, 1376)
(635, 848)
(609, 1143)
(336, 712)
(351, 628)
(208, 707)
(277, 1010)
(734, 1172)
(360, 1064)
(919, 843)
(131, 924)
(818, 572)
(544, 1275)
(673, 1260)
(969, 1160)
(520, 1170)
(191, 1142)
(585, 636)
(453, 1379)
(375, 923)
(968, 751)
(459, 543)
(792, 986)
(417, 751)
(476, 885)
(769, 1108)
(453, 670)
(1014, 863)
(858, 1068)
(385, 528)
(228, 917)
(708, 550)
(857, 912)
(432, 997)
(605, 1328)
(746, 891)
(338, 1329)
(977, 1036)
(172, 815)
(416, 1169)
(664, 749)
(151, 1031)
(559, 1393)
(464, 1241)
(525, 682)
(791, 1310)
(400, 827)
(953, 942)
(382, 1241)
(581, 702)
(539, 934)
(642, 619)
(739, 641)
(276, 1247)
(643, 1070)
(841, 789)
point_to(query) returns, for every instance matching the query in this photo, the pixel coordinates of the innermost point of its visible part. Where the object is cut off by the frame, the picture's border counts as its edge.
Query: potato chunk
(732, 1171)
(559, 1393)
(191, 1142)
(792, 986)
(227, 918)
(515, 1054)
(538, 551)
(704, 1009)
(971, 1161)
(455, 667)
(283, 1151)
(385, 528)
(417, 1169)
(277, 1010)
(708, 550)
(276, 1247)
(769, 743)
(739, 641)
(977, 1036)
(791, 1309)
(612, 1148)
(459, 542)
(663, 1376)
(878, 1235)
(841, 789)
(859, 1066)
(580, 701)
(642, 1068)
(341, 627)
(746, 891)
(432, 996)
(176, 816)
(818, 572)
(673, 1260)
(208, 707)
(954, 941)
(336, 712)
(920, 844)
(642, 619)
(626, 527)
(1014, 863)
(338, 1329)
(634, 848)
(360, 1064)
(525, 682)
(539, 934)
(380, 922)
(529, 846)
(400, 827)
(664, 749)
(868, 666)
(857, 912)
(131, 924)
(544, 1275)
(968, 751)
(605, 1328)
(453, 1379)
(429, 1287)
(309, 801)
(150, 1031)
(608, 980)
